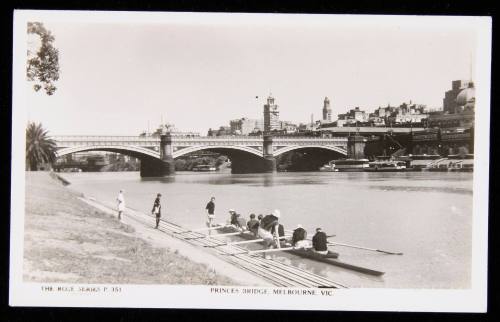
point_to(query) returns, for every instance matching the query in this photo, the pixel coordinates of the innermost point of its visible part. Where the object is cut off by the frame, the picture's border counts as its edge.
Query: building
(327, 111)
(459, 114)
(271, 116)
(404, 114)
(287, 127)
(168, 128)
(354, 117)
(224, 130)
(408, 113)
(450, 131)
(450, 97)
(245, 126)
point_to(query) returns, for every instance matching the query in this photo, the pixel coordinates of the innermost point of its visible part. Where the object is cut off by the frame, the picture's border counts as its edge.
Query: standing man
(319, 242)
(121, 204)
(157, 209)
(210, 208)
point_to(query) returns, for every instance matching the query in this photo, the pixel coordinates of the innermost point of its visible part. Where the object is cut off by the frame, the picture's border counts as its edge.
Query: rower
(232, 217)
(319, 242)
(241, 222)
(299, 237)
(267, 228)
(253, 224)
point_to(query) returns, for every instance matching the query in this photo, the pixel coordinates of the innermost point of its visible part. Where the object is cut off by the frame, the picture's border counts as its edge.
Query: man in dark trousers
(157, 209)
(210, 208)
(320, 242)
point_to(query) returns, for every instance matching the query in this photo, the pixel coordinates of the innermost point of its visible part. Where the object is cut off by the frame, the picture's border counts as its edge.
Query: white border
(471, 300)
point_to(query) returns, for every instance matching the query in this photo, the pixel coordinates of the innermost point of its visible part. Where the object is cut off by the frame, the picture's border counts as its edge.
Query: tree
(43, 61)
(39, 147)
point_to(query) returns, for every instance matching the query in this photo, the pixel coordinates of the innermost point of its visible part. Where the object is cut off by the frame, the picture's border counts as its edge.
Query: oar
(212, 236)
(270, 250)
(365, 248)
(201, 229)
(239, 242)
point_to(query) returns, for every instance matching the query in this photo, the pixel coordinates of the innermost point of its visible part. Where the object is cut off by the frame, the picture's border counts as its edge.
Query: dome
(467, 95)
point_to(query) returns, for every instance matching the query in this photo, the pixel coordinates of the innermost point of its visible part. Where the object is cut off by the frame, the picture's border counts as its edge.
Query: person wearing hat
(121, 203)
(319, 242)
(157, 209)
(210, 208)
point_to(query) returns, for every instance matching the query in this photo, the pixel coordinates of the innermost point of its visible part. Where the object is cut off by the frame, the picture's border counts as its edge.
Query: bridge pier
(163, 167)
(245, 163)
(356, 147)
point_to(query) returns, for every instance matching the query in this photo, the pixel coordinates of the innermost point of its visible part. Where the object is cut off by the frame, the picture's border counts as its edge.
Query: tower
(271, 115)
(327, 111)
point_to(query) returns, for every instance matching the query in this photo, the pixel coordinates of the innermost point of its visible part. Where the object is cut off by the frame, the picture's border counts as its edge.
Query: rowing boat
(306, 253)
(329, 258)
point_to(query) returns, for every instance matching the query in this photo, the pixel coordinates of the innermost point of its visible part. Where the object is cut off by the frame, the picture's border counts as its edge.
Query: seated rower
(319, 242)
(253, 224)
(241, 222)
(299, 237)
(232, 217)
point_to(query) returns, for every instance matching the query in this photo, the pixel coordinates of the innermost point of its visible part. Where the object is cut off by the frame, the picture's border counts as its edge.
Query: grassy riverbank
(68, 241)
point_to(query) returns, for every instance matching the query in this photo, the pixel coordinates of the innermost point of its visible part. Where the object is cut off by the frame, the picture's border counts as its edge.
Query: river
(427, 216)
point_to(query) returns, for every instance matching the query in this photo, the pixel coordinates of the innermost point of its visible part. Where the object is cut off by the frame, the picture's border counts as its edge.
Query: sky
(116, 77)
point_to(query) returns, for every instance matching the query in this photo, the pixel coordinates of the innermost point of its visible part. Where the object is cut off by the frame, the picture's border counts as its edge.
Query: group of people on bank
(271, 230)
(266, 227)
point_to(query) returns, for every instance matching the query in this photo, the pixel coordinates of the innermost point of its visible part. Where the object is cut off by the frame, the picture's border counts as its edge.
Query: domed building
(466, 99)
(455, 123)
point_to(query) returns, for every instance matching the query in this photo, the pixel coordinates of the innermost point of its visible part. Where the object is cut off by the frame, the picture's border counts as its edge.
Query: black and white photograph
(250, 161)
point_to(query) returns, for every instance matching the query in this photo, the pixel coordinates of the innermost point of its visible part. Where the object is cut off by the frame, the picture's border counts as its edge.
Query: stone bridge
(247, 153)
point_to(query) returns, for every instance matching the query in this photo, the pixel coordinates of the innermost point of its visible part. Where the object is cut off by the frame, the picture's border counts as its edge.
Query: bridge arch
(134, 151)
(191, 149)
(299, 147)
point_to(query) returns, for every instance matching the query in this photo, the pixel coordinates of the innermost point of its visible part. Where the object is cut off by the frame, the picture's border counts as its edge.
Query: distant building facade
(353, 117)
(271, 116)
(327, 111)
(450, 131)
(245, 126)
(450, 97)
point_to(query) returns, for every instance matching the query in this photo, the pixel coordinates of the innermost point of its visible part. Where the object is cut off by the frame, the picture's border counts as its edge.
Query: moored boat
(386, 166)
(204, 168)
(348, 165)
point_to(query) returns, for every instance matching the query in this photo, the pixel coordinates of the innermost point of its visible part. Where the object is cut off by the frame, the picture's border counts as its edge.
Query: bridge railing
(192, 138)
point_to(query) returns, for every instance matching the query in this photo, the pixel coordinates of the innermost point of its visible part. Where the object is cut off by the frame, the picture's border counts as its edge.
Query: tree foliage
(39, 147)
(43, 65)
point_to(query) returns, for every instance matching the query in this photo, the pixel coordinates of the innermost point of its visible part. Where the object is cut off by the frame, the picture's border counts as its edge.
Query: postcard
(250, 161)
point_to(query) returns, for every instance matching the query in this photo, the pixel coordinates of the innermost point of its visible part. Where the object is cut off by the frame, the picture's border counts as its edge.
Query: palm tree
(39, 147)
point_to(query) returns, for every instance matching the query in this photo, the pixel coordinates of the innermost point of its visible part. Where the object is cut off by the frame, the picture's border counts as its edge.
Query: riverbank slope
(68, 241)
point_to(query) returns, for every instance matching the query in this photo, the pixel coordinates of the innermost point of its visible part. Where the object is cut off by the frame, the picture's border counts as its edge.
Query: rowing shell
(329, 258)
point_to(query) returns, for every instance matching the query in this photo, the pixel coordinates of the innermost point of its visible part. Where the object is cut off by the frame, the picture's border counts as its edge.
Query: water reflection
(166, 179)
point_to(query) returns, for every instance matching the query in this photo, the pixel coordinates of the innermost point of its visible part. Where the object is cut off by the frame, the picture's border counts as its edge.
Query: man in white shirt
(121, 204)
